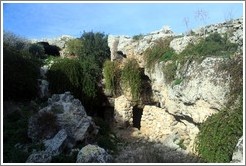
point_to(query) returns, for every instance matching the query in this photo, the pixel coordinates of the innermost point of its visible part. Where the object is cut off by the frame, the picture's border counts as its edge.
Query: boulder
(93, 154)
(59, 125)
(55, 145)
(64, 112)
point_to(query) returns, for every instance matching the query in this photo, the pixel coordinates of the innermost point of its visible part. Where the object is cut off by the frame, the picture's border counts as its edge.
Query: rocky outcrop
(93, 154)
(60, 125)
(198, 90)
(135, 48)
(59, 42)
(234, 29)
(179, 44)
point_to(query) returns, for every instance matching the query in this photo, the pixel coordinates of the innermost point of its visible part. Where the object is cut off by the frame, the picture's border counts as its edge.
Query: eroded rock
(93, 154)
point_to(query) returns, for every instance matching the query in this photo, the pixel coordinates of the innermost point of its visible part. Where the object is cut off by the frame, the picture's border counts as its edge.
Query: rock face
(59, 42)
(123, 112)
(60, 124)
(203, 87)
(135, 48)
(234, 28)
(93, 154)
(237, 156)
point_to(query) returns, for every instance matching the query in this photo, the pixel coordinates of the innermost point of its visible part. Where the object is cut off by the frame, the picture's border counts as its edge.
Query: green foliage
(74, 47)
(219, 134)
(37, 50)
(178, 81)
(15, 42)
(159, 52)
(79, 77)
(95, 46)
(65, 75)
(131, 78)
(213, 45)
(138, 37)
(111, 73)
(20, 74)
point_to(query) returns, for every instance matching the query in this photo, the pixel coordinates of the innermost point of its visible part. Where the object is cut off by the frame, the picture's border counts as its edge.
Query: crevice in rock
(179, 118)
(137, 115)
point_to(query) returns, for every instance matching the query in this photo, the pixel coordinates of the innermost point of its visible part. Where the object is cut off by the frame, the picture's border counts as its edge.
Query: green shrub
(111, 73)
(65, 75)
(20, 75)
(15, 42)
(95, 45)
(131, 78)
(219, 134)
(79, 77)
(213, 45)
(37, 50)
(74, 46)
(159, 52)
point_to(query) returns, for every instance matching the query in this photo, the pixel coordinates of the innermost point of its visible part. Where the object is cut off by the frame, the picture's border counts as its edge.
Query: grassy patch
(131, 78)
(160, 51)
(111, 73)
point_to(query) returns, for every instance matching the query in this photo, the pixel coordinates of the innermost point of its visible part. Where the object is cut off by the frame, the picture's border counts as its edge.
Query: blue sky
(47, 20)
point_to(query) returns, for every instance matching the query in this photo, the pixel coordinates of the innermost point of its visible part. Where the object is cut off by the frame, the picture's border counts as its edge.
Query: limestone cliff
(203, 88)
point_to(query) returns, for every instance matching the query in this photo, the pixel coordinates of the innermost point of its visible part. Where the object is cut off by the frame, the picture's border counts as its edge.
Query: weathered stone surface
(55, 145)
(237, 156)
(93, 154)
(179, 44)
(63, 118)
(123, 112)
(203, 90)
(39, 157)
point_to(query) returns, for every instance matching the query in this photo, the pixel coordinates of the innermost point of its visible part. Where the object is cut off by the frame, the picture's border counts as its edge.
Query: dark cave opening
(137, 115)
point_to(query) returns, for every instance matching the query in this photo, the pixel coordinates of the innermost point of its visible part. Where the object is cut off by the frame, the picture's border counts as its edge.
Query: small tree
(74, 46)
(37, 50)
(95, 45)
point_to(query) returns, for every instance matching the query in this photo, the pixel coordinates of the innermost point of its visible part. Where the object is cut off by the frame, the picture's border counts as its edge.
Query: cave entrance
(137, 115)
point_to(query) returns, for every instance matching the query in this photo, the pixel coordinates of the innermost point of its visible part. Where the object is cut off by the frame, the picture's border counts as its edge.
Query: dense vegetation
(112, 73)
(219, 135)
(20, 70)
(128, 77)
(131, 78)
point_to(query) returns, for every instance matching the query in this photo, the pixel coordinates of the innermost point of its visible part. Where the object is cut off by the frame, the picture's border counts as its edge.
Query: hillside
(151, 98)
